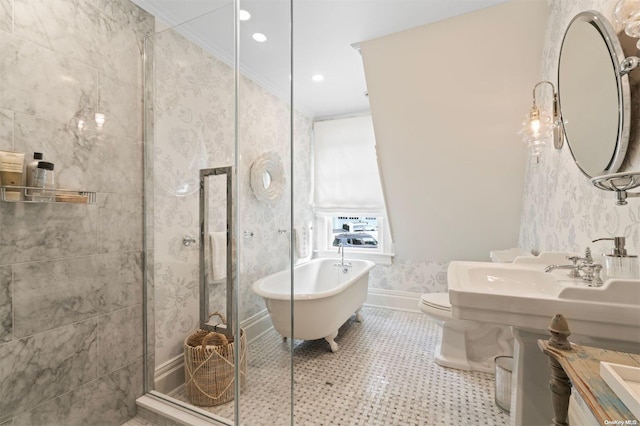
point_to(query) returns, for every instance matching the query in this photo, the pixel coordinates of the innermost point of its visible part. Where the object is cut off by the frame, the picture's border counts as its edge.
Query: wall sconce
(86, 119)
(539, 126)
(99, 117)
(627, 13)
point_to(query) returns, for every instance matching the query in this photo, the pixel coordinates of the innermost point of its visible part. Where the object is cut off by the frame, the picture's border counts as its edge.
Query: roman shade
(346, 177)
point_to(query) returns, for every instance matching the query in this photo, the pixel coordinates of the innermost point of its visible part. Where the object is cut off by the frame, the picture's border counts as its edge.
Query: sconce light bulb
(535, 126)
(100, 119)
(534, 119)
(81, 124)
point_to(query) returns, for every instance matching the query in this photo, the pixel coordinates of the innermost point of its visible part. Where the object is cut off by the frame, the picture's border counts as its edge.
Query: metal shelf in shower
(28, 194)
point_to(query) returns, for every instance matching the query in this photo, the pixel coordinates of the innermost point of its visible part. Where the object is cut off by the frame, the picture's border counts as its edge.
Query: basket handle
(206, 339)
(219, 315)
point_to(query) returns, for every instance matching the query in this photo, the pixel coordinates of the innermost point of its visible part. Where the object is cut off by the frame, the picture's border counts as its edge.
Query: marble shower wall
(562, 210)
(71, 275)
(194, 128)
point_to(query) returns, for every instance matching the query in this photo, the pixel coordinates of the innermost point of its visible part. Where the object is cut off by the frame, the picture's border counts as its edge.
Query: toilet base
(454, 353)
(465, 345)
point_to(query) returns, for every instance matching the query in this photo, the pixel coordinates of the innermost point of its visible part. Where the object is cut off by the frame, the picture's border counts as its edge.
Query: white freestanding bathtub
(325, 295)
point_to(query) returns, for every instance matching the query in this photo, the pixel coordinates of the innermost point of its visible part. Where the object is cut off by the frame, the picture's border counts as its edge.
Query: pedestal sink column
(531, 404)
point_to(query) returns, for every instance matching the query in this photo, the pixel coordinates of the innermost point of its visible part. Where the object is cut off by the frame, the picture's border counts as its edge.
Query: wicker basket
(209, 366)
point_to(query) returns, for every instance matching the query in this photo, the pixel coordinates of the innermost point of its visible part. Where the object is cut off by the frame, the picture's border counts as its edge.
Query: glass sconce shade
(537, 129)
(100, 119)
(539, 126)
(627, 13)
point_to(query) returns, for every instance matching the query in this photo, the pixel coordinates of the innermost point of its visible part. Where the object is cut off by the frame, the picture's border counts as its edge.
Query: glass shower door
(209, 107)
(265, 204)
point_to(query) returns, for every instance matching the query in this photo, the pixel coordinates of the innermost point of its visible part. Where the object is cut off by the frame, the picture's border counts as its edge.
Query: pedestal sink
(526, 298)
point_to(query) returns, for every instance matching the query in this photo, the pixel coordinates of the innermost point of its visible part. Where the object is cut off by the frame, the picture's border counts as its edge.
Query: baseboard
(391, 299)
(169, 411)
(170, 375)
(256, 325)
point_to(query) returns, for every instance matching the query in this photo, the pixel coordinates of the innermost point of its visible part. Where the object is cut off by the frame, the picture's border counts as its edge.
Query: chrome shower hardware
(187, 240)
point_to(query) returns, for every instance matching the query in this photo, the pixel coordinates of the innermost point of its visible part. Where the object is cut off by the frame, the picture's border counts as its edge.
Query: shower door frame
(233, 229)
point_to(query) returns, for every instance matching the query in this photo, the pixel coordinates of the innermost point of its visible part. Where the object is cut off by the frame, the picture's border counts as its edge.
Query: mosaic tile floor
(383, 374)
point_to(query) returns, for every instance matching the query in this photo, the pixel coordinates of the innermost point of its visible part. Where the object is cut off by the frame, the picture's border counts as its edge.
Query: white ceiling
(323, 32)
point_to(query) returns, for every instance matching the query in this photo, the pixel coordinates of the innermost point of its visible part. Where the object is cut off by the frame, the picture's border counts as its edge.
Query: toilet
(471, 345)
(465, 345)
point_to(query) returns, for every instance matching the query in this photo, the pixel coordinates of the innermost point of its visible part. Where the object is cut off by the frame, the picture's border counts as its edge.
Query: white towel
(302, 235)
(218, 255)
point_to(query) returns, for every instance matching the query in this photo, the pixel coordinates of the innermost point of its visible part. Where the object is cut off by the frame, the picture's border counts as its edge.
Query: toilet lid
(436, 301)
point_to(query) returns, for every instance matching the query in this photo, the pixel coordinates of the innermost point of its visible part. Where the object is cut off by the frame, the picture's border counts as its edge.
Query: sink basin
(522, 295)
(525, 296)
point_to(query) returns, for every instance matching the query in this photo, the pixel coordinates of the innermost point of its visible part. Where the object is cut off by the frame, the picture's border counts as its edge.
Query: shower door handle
(229, 330)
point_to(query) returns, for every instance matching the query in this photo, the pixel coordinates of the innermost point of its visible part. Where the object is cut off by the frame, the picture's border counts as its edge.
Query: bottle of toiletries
(617, 263)
(11, 168)
(43, 182)
(31, 168)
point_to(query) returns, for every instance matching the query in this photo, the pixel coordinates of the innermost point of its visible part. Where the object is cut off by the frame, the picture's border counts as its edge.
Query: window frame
(323, 233)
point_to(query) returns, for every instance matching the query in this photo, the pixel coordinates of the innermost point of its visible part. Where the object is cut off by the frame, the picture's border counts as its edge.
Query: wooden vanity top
(582, 365)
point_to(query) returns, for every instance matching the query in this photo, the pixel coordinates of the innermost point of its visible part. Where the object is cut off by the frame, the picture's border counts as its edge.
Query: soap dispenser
(619, 264)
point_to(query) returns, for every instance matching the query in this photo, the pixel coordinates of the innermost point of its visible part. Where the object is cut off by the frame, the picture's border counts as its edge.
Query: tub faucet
(341, 251)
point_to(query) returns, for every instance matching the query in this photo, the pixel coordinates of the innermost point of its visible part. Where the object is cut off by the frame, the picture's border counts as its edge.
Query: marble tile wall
(71, 275)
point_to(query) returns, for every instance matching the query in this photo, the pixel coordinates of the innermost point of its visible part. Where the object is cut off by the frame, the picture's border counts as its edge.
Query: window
(363, 237)
(348, 200)
(355, 231)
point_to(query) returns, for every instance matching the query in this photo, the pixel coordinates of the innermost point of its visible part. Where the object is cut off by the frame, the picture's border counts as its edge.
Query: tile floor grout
(383, 374)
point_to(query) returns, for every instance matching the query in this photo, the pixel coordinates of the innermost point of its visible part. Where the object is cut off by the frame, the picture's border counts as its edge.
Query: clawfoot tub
(326, 293)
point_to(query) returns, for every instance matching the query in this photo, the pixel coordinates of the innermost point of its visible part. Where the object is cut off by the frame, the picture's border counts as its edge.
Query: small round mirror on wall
(594, 97)
(267, 177)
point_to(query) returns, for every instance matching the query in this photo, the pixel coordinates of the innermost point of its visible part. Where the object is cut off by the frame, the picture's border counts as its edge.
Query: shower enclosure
(207, 106)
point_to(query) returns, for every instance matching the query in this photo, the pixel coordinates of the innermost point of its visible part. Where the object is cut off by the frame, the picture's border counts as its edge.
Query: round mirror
(593, 96)
(267, 177)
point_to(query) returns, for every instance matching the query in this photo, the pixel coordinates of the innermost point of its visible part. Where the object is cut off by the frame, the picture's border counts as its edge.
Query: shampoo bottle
(31, 168)
(43, 182)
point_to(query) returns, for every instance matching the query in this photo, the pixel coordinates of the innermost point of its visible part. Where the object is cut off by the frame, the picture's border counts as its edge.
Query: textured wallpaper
(194, 129)
(562, 210)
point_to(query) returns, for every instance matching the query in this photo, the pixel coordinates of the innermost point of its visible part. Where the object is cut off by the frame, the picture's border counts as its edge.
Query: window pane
(354, 231)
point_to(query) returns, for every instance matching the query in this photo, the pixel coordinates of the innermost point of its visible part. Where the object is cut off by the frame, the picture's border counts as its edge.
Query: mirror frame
(616, 54)
(270, 163)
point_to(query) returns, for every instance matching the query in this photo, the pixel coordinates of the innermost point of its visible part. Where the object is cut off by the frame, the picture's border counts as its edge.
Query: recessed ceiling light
(317, 77)
(244, 15)
(259, 37)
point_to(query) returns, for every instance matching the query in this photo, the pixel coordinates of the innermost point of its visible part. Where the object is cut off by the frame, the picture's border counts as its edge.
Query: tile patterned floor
(383, 374)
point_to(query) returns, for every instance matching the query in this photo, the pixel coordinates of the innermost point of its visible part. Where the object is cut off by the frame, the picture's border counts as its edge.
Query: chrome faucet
(341, 252)
(590, 271)
(574, 267)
